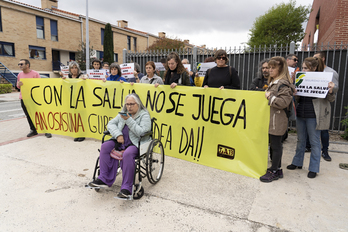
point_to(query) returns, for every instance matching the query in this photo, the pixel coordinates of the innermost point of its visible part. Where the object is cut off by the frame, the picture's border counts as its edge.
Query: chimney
(49, 4)
(122, 23)
(161, 34)
(186, 41)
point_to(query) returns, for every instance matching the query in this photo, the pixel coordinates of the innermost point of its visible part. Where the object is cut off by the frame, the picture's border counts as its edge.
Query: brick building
(328, 23)
(47, 36)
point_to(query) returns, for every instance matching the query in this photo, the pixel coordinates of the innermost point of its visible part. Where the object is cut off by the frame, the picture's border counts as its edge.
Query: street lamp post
(87, 37)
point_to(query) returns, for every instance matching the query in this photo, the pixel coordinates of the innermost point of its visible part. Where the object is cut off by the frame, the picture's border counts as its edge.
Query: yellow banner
(224, 129)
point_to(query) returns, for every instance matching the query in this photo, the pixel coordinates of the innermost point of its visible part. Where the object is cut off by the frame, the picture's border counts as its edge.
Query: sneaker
(326, 156)
(308, 149)
(312, 175)
(279, 173)
(48, 135)
(124, 194)
(32, 133)
(269, 176)
(293, 167)
(97, 183)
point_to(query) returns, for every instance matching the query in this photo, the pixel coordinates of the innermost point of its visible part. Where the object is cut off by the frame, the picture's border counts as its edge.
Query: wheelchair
(148, 163)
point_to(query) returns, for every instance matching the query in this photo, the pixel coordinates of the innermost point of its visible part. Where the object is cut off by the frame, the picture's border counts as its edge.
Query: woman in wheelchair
(125, 128)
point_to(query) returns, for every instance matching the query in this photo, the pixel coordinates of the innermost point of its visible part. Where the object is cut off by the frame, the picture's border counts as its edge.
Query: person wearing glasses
(292, 62)
(313, 115)
(24, 65)
(176, 73)
(222, 75)
(125, 129)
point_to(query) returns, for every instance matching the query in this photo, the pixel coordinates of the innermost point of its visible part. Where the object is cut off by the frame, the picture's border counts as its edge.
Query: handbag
(116, 154)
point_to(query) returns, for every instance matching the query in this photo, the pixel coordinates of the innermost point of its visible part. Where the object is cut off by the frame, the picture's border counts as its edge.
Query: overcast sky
(216, 23)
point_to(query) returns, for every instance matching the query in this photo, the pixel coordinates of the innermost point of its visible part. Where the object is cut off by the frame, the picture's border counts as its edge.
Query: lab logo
(225, 152)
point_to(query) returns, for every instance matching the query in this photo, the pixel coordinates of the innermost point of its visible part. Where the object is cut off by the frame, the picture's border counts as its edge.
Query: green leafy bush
(5, 88)
(345, 123)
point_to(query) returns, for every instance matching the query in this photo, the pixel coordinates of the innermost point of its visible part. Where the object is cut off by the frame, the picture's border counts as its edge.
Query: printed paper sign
(188, 67)
(312, 84)
(127, 71)
(65, 71)
(160, 67)
(291, 70)
(96, 74)
(203, 67)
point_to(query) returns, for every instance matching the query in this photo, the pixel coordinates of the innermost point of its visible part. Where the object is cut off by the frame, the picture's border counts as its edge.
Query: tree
(108, 45)
(81, 55)
(166, 43)
(282, 24)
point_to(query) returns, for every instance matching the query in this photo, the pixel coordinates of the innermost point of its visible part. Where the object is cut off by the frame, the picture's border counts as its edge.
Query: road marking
(16, 115)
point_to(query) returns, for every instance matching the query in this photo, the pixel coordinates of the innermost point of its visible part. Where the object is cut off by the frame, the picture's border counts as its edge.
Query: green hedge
(5, 88)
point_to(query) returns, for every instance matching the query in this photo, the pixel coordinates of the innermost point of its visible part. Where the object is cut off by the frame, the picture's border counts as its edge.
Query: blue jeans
(306, 126)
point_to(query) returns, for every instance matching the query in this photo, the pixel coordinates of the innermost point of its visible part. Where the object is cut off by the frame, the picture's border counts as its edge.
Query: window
(100, 55)
(40, 32)
(129, 42)
(37, 52)
(71, 56)
(6, 49)
(102, 35)
(0, 20)
(54, 30)
(115, 57)
(135, 43)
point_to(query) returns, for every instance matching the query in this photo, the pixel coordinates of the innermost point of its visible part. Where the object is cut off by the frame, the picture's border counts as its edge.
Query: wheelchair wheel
(138, 195)
(154, 161)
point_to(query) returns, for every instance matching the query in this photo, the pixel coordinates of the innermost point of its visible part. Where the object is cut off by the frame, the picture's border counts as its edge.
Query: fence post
(292, 47)
(124, 55)
(194, 58)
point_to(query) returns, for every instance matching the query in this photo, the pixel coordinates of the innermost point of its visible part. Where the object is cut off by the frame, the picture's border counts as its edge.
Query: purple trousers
(109, 166)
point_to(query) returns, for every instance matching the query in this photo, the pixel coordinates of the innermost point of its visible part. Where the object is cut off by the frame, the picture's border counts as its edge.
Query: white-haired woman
(125, 131)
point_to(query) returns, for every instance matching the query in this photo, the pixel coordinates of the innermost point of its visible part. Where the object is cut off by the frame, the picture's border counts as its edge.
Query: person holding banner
(125, 129)
(279, 95)
(151, 77)
(222, 75)
(96, 64)
(176, 73)
(115, 73)
(74, 73)
(24, 65)
(313, 115)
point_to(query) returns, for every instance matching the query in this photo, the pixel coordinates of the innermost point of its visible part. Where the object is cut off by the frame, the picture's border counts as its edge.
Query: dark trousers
(31, 125)
(277, 151)
(325, 137)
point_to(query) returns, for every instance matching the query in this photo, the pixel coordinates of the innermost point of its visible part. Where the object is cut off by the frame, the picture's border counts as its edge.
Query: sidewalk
(5, 97)
(43, 190)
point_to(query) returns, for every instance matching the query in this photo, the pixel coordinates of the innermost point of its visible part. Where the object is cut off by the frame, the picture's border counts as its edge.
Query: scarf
(172, 76)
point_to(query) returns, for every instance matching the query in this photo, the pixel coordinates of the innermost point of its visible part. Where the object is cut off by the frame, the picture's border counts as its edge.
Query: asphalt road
(11, 110)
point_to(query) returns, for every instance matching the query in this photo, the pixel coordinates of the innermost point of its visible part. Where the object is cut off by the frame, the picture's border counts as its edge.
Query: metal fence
(246, 61)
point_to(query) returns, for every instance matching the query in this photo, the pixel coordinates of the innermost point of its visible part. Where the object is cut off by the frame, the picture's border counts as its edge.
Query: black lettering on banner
(242, 105)
(213, 111)
(174, 108)
(154, 102)
(227, 115)
(50, 94)
(159, 130)
(79, 95)
(106, 98)
(58, 96)
(95, 94)
(31, 95)
(196, 148)
(199, 106)
(98, 123)
(114, 101)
